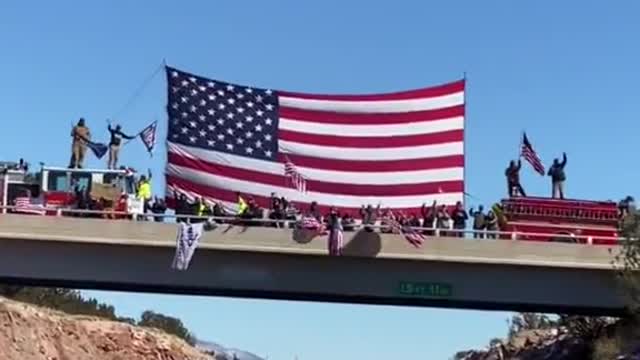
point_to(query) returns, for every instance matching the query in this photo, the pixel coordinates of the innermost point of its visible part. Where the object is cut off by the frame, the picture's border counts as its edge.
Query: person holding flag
(147, 136)
(81, 138)
(114, 145)
(81, 141)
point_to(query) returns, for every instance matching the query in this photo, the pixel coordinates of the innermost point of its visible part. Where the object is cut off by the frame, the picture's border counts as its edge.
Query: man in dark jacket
(479, 222)
(429, 217)
(459, 217)
(512, 173)
(114, 145)
(558, 176)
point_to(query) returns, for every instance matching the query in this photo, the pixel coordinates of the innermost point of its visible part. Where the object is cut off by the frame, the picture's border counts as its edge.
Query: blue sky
(567, 72)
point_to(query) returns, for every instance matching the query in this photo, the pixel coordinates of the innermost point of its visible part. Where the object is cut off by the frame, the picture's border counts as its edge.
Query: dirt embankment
(33, 333)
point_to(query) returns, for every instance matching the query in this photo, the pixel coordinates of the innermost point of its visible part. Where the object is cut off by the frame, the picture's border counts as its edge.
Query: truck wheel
(564, 239)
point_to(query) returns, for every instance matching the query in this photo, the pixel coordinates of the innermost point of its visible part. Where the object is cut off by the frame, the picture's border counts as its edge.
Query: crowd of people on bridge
(434, 219)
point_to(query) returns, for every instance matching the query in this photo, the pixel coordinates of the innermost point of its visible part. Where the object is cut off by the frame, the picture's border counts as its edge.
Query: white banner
(186, 243)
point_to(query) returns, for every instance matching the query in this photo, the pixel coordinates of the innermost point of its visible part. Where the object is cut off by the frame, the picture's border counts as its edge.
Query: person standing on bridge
(144, 191)
(369, 216)
(512, 173)
(429, 218)
(558, 177)
(459, 217)
(81, 137)
(336, 233)
(114, 145)
(479, 222)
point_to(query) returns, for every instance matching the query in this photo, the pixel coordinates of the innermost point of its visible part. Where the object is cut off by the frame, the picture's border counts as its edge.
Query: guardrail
(461, 233)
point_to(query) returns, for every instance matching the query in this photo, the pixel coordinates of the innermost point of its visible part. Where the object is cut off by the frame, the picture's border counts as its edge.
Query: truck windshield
(66, 182)
(57, 181)
(81, 181)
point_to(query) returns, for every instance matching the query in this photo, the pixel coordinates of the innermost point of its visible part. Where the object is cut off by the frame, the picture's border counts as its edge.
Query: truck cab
(60, 187)
(560, 220)
(15, 182)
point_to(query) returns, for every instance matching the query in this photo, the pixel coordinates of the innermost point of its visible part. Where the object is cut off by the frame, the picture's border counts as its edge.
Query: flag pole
(464, 138)
(521, 143)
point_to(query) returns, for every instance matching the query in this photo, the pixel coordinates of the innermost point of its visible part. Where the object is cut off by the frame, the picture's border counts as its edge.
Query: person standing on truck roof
(512, 173)
(81, 136)
(558, 177)
(114, 144)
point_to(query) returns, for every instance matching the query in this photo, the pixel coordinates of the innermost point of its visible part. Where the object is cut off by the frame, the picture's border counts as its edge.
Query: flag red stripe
(315, 185)
(372, 141)
(324, 117)
(264, 201)
(377, 166)
(434, 91)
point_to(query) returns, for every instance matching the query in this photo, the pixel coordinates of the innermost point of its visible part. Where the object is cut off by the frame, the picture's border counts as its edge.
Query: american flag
(23, 205)
(297, 180)
(400, 149)
(529, 154)
(311, 223)
(410, 234)
(148, 136)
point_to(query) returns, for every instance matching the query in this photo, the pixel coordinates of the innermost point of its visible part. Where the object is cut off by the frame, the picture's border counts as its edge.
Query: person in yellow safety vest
(201, 208)
(242, 206)
(144, 190)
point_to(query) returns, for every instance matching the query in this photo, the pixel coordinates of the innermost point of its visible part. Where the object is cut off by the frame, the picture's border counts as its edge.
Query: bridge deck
(278, 264)
(265, 239)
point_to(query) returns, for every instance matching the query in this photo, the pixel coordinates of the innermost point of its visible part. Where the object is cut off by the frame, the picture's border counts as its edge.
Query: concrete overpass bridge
(261, 262)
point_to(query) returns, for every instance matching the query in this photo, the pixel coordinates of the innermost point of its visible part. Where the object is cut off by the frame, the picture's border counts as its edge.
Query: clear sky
(567, 72)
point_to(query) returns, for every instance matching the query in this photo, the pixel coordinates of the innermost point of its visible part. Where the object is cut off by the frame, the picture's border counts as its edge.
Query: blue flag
(99, 149)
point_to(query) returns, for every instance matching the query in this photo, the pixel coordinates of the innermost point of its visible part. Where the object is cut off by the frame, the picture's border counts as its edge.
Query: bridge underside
(311, 277)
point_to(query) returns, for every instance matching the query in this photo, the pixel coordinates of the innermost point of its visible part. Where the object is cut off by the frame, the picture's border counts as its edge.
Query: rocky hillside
(29, 332)
(553, 344)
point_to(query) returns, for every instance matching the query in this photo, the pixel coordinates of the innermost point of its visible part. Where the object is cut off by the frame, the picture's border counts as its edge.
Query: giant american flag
(398, 149)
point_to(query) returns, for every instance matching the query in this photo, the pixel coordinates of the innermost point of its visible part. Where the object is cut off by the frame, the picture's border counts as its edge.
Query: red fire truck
(55, 187)
(545, 219)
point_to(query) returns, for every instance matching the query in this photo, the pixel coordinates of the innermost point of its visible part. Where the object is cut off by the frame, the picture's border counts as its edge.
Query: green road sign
(425, 289)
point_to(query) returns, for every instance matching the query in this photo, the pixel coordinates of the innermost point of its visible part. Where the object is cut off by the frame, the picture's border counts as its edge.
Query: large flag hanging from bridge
(399, 149)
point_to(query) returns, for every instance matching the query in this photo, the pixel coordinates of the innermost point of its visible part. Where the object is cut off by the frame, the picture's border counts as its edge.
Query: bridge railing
(429, 231)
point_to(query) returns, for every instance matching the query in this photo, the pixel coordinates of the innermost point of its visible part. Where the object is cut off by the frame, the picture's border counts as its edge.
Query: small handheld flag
(291, 173)
(148, 136)
(529, 154)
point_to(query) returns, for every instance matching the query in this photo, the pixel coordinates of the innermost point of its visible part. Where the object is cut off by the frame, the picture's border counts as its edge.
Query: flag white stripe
(380, 154)
(236, 185)
(362, 178)
(414, 128)
(374, 106)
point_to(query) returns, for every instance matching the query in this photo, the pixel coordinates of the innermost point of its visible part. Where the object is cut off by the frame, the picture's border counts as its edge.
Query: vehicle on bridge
(545, 219)
(15, 181)
(57, 188)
